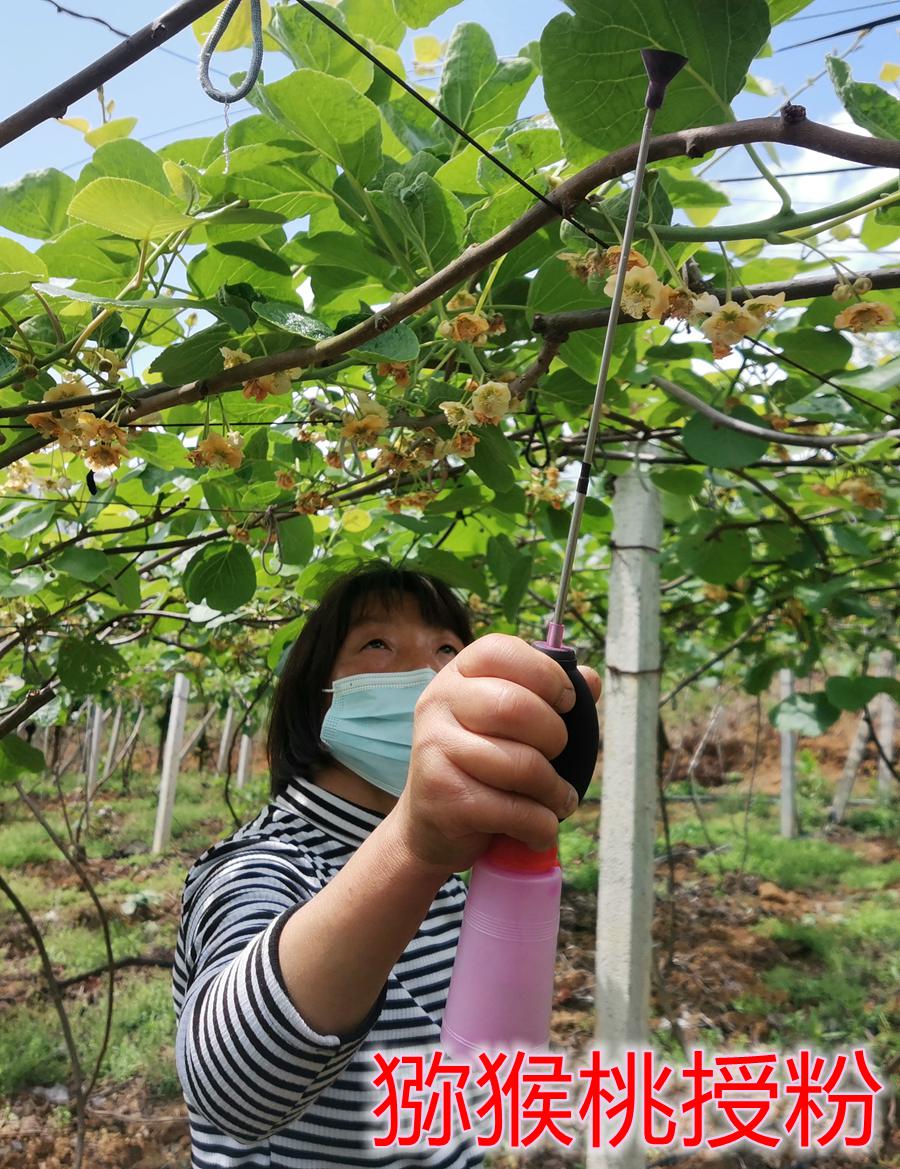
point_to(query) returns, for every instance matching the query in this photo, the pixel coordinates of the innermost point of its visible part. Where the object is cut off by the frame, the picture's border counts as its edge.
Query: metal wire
(212, 41)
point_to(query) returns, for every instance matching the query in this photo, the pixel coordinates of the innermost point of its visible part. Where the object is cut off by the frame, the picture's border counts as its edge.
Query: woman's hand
(485, 731)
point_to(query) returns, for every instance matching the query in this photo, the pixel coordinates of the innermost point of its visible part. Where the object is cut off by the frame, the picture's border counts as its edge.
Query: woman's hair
(294, 746)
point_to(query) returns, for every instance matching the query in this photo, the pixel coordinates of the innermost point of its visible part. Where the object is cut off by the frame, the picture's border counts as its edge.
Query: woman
(325, 930)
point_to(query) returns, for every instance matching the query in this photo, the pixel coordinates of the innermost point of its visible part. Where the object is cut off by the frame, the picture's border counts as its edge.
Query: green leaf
(170, 302)
(198, 356)
(420, 13)
(849, 541)
(431, 218)
(759, 677)
(8, 363)
(124, 583)
(87, 666)
(553, 290)
(159, 450)
(519, 580)
(607, 219)
(784, 9)
(686, 191)
(296, 540)
(30, 520)
(719, 447)
(36, 205)
(494, 460)
(129, 209)
(222, 576)
(523, 151)
(397, 344)
(878, 379)
(126, 159)
(84, 253)
(781, 539)
(85, 564)
(110, 132)
(868, 105)
(241, 262)
(819, 350)
(679, 482)
(824, 405)
(458, 573)
(311, 44)
(594, 80)
(375, 19)
(719, 558)
(329, 114)
(18, 267)
(853, 693)
(478, 91)
(291, 319)
(26, 582)
(804, 714)
(17, 756)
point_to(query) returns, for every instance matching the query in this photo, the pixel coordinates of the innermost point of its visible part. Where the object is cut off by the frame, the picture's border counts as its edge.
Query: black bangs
(294, 747)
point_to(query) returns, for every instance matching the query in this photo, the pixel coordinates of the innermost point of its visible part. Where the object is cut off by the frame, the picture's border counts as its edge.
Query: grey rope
(212, 42)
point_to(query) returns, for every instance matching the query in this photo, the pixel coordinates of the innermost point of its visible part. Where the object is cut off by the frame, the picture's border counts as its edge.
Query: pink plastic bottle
(501, 992)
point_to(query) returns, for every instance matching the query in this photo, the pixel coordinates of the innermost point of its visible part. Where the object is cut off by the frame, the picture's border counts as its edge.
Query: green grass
(803, 863)
(141, 1042)
(578, 855)
(838, 983)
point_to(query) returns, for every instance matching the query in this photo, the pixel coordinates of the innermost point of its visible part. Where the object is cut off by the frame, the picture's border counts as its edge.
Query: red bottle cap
(511, 854)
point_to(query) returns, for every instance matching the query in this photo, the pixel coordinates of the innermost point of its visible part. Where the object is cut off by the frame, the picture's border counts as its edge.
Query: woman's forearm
(337, 950)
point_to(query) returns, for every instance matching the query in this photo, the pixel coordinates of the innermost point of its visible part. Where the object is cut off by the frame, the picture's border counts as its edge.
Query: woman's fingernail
(566, 701)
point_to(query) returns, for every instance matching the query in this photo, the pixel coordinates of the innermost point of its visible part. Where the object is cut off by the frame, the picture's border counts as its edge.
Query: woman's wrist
(402, 838)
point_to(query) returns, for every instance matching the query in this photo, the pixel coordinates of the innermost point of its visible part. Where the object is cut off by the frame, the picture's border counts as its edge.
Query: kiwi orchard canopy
(360, 338)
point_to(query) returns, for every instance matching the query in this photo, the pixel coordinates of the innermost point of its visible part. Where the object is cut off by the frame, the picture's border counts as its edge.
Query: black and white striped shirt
(264, 1090)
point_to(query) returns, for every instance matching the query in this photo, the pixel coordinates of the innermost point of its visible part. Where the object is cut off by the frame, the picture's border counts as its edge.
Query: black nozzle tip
(661, 67)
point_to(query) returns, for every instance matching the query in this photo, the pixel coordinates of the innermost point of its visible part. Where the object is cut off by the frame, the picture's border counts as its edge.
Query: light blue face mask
(369, 725)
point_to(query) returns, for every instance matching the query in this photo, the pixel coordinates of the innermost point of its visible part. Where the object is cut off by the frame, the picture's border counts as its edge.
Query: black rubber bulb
(577, 760)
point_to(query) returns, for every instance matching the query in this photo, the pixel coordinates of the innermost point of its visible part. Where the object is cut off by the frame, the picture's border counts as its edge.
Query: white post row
(171, 760)
(244, 760)
(884, 729)
(227, 728)
(788, 765)
(627, 827)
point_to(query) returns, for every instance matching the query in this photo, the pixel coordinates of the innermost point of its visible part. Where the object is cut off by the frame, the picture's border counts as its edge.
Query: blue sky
(43, 47)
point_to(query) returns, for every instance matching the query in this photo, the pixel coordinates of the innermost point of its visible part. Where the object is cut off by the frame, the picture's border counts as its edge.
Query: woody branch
(791, 128)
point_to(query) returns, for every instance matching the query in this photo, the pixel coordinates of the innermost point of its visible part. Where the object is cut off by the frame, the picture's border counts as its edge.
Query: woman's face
(394, 640)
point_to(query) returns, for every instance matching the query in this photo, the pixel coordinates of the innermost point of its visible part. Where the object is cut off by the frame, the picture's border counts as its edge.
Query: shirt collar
(335, 815)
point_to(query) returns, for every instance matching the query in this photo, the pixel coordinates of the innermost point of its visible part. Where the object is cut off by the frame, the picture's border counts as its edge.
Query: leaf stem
(777, 187)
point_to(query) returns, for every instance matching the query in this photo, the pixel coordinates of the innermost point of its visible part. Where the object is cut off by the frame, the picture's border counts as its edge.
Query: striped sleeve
(247, 1060)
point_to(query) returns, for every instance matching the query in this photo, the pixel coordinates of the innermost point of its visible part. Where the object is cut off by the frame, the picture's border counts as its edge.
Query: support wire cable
(225, 18)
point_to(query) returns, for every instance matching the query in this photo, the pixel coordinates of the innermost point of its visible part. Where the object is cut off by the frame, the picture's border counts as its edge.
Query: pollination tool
(501, 991)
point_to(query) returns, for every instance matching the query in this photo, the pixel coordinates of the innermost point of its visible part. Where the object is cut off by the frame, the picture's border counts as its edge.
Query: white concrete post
(788, 764)
(171, 759)
(244, 760)
(113, 740)
(884, 729)
(227, 730)
(95, 729)
(88, 709)
(851, 767)
(627, 828)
